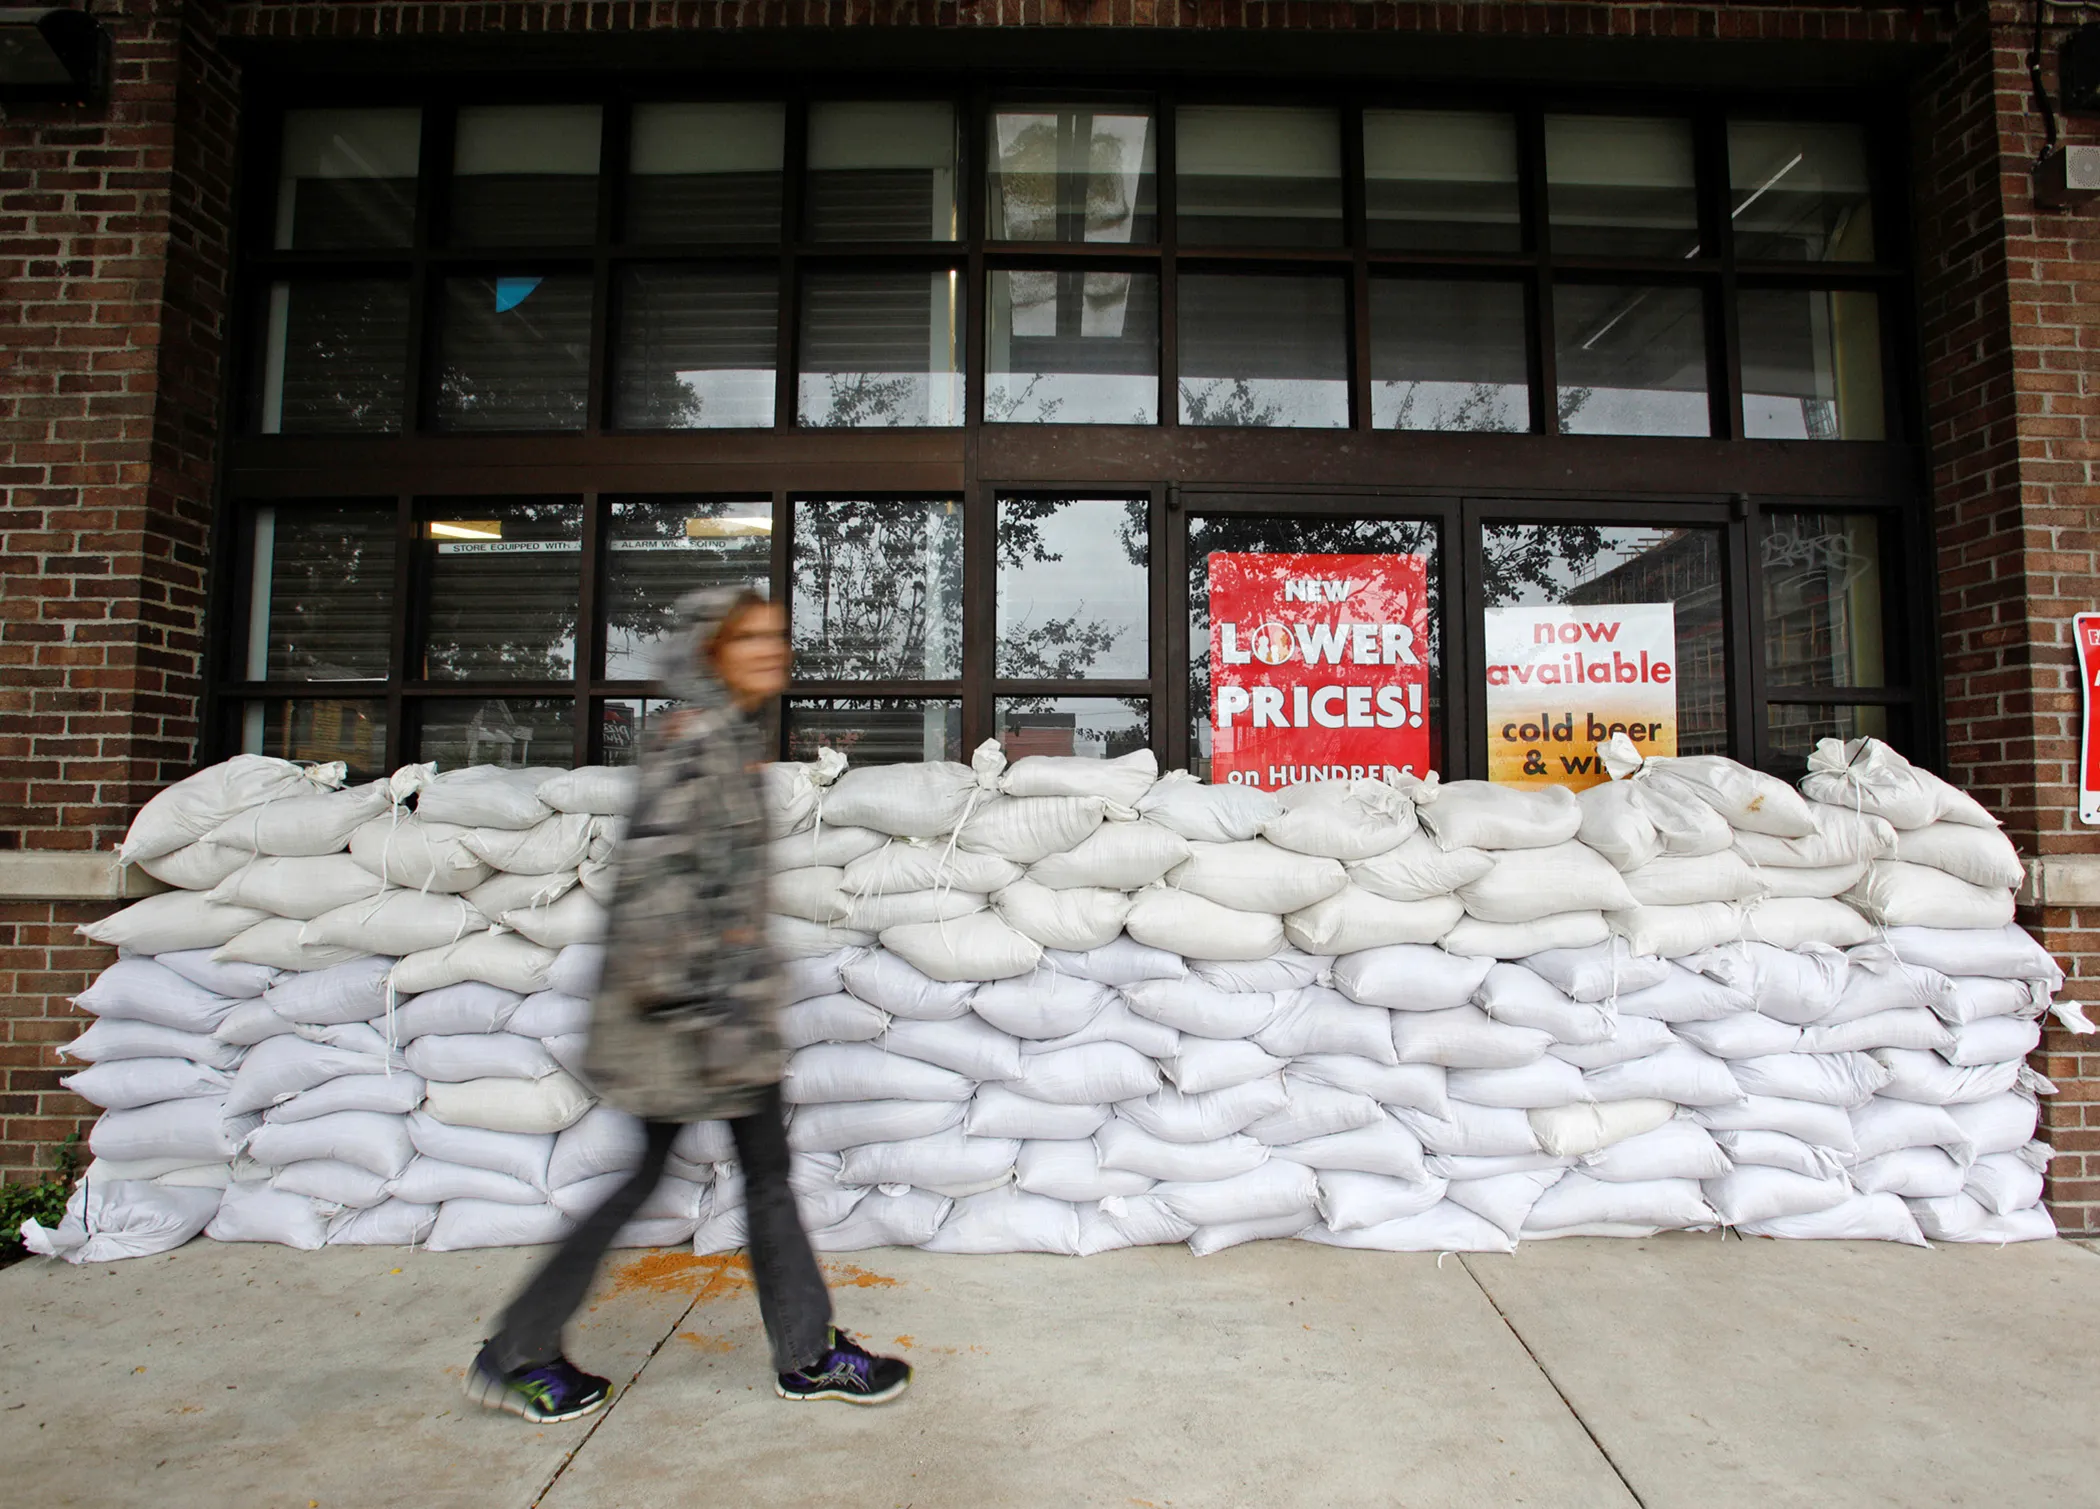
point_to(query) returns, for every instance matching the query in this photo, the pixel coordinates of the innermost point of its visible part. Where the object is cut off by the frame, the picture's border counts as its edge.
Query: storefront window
(515, 353)
(1621, 186)
(1792, 731)
(320, 579)
(1099, 728)
(335, 357)
(875, 730)
(1264, 352)
(695, 349)
(622, 724)
(1799, 192)
(882, 171)
(1822, 599)
(657, 552)
(525, 175)
(347, 179)
(1073, 589)
(515, 732)
(501, 591)
(1449, 356)
(878, 590)
(1072, 173)
(881, 350)
(704, 172)
(1631, 361)
(319, 730)
(1442, 180)
(1072, 347)
(1257, 175)
(1811, 365)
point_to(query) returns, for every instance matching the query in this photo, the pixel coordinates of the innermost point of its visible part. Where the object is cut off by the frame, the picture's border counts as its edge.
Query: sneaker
(847, 1371)
(545, 1395)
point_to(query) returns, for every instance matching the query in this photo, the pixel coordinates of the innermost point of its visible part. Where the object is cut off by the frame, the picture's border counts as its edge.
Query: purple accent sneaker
(847, 1371)
(545, 1395)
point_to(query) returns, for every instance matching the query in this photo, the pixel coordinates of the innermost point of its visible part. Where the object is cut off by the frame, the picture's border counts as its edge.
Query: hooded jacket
(684, 1026)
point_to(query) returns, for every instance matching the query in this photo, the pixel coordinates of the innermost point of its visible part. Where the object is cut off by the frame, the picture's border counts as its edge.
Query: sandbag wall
(1067, 1006)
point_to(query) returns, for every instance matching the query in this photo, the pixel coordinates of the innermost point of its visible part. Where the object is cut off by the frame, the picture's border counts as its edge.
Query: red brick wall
(43, 965)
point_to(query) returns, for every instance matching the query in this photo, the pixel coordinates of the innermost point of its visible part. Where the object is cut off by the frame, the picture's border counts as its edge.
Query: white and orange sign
(1319, 667)
(2085, 634)
(1561, 680)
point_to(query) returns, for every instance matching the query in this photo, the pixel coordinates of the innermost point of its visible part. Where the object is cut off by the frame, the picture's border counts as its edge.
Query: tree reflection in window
(502, 583)
(1073, 588)
(878, 589)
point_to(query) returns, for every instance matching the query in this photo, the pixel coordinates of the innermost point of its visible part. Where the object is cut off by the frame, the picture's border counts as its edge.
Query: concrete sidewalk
(1684, 1371)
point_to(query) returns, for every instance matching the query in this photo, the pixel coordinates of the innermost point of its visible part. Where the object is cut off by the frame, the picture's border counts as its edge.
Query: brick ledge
(2062, 880)
(32, 876)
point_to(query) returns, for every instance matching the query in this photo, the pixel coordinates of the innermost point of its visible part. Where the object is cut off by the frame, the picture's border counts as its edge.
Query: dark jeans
(792, 1299)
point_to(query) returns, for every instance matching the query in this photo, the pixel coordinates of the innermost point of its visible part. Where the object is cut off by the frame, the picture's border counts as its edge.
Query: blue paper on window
(511, 292)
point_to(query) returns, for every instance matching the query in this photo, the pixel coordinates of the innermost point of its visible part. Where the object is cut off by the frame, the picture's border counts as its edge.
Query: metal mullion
(1169, 270)
(1742, 644)
(1172, 546)
(402, 630)
(1841, 696)
(1531, 173)
(1717, 238)
(780, 589)
(1468, 657)
(1753, 529)
(1054, 687)
(1454, 736)
(590, 640)
(930, 691)
(1357, 236)
(1156, 626)
(979, 500)
(612, 160)
(794, 144)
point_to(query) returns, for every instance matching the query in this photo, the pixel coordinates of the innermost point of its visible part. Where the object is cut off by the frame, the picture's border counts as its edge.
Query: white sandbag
(908, 801)
(352, 992)
(906, 1218)
(1040, 1005)
(886, 980)
(1914, 1173)
(1896, 894)
(1123, 780)
(1905, 1027)
(2008, 953)
(1790, 922)
(1350, 1201)
(1602, 972)
(1750, 800)
(825, 845)
(672, 1199)
(599, 880)
(391, 1223)
(1981, 856)
(2007, 1182)
(304, 826)
(1862, 1218)
(575, 918)
(235, 981)
(1317, 1019)
(829, 1019)
(1822, 882)
(1343, 820)
(1121, 1221)
(502, 893)
(1834, 1079)
(1025, 829)
(1286, 969)
(420, 855)
(1755, 1192)
(1514, 995)
(495, 958)
(1678, 1149)
(281, 1067)
(1961, 1219)
(1616, 825)
(1528, 884)
(1519, 940)
(1505, 1200)
(251, 1211)
(1573, 1131)
(1092, 1074)
(1684, 880)
(899, 866)
(368, 1140)
(1633, 1037)
(1482, 815)
(464, 1225)
(469, 1007)
(603, 790)
(604, 1141)
(1008, 1220)
(571, 1050)
(977, 947)
(1747, 1034)
(1257, 876)
(1533, 1086)
(1994, 1040)
(1868, 776)
(117, 1039)
(1420, 1086)
(1464, 1037)
(434, 1181)
(1884, 1125)
(1073, 919)
(794, 791)
(1971, 1000)
(874, 914)
(833, 1127)
(170, 921)
(1182, 804)
(1073, 1170)
(1353, 920)
(547, 1104)
(395, 1094)
(1116, 856)
(199, 1130)
(1793, 985)
(124, 1084)
(486, 796)
(1930, 1080)
(195, 866)
(141, 990)
(1177, 1117)
(1420, 869)
(1815, 1123)
(1671, 932)
(1126, 1147)
(1444, 1227)
(1202, 1064)
(948, 1163)
(828, 1073)
(396, 923)
(301, 888)
(576, 969)
(1410, 977)
(455, 1058)
(1780, 1149)
(1114, 1023)
(1579, 1199)
(1877, 981)
(996, 1111)
(1311, 1110)
(1472, 1131)
(1273, 1190)
(340, 1186)
(1842, 837)
(1186, 924)
(2002, 1123)
(193, 806)
(108, 1219)
(278, 944)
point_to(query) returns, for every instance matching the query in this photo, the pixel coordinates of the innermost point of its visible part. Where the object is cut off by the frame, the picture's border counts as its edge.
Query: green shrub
(43, 1201)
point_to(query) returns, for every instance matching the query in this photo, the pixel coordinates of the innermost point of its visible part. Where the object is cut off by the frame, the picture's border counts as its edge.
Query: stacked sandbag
(1069, 1005)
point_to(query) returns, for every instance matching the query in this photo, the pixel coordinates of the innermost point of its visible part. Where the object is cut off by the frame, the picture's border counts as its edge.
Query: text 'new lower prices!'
(1561, 680)
(1319, 667)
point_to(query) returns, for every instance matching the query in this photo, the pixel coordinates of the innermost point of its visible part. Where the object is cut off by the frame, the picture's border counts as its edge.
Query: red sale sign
(1319, 667)
(2085, 634)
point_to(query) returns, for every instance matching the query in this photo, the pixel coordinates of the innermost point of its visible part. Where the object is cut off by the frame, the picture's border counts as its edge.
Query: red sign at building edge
(2085, 639)
(1319, 667)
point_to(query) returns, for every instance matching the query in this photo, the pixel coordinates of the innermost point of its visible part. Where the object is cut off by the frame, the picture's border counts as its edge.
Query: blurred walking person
(683, 1025)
